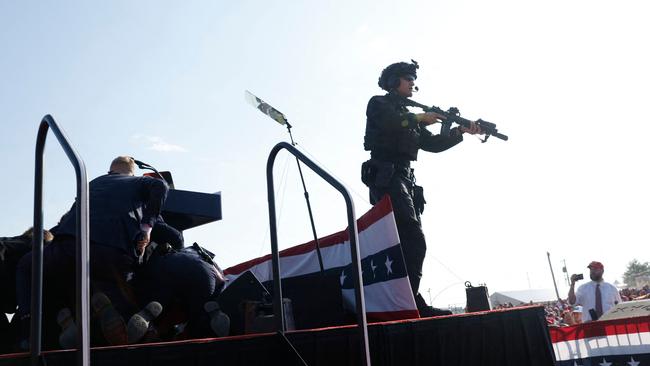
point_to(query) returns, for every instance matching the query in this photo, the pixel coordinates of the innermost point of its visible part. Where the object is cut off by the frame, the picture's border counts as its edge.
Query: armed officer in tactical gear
(393, 137)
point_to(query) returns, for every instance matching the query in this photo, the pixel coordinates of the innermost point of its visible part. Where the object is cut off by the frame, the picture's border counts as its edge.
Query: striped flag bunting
(618, 342)
(387, 289)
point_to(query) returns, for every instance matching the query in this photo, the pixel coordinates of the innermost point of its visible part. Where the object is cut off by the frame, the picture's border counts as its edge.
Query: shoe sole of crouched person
(111, 322)
(139, 322)
(219, 321)
(68, 336)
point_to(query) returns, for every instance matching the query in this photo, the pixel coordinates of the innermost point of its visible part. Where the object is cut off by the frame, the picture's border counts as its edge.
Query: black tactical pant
(400, 188)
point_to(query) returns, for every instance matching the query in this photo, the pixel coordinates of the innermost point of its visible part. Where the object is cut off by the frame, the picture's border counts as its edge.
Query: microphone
(140, 164)
(145, 166)
(415, 89)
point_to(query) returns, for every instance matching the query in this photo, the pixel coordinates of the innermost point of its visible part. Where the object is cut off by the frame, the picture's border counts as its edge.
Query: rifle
(453, 116)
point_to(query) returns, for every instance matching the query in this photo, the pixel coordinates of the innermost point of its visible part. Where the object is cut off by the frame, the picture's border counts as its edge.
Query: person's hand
(472, 130)
(141, 244)
(430, 118)
(574, 279)
(143, 239)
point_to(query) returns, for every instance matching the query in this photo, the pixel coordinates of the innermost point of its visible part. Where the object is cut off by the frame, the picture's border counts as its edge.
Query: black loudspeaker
(477, 298)
(316, 299)
(244, 288)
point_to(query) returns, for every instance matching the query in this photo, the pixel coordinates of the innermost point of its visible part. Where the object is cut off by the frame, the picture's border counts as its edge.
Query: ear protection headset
(393, 82)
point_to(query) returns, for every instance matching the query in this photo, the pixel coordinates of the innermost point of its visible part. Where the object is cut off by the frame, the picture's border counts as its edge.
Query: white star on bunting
(389, 264)
(632, 362)
(605, 363)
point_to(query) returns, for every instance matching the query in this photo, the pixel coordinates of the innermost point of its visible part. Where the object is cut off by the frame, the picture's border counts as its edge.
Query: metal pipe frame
(354, 246)
(82, 240)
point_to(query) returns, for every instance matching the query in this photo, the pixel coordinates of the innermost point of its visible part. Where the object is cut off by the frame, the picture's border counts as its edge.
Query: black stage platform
(513, 337)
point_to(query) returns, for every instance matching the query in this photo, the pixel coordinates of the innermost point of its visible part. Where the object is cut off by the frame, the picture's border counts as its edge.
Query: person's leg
(192, 282)
(414, 249)
(58, 274)
(204, 289)
(112, 296)
(186, 278)
(408, 224)
(111, 271)
(23, 286)
(153, 285)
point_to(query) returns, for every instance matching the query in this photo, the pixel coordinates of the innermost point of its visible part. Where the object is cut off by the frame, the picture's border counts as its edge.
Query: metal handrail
(354, 245)
(82, 239)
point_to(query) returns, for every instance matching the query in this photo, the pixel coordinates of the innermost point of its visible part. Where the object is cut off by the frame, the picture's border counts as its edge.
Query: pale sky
(164, 81)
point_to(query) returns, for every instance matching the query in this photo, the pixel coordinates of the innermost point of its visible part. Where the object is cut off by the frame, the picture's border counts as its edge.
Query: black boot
(427, 311)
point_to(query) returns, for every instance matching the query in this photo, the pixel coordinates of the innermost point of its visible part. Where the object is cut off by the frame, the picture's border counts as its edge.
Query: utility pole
(557, 293)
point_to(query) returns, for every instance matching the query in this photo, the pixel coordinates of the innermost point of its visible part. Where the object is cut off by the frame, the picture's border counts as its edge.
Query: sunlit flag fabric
(386, 286)
(618, 342)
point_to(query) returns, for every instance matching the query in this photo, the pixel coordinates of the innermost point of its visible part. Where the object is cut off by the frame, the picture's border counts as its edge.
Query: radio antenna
(280, 118)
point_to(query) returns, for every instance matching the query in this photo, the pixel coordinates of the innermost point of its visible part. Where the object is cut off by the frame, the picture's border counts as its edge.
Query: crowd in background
(507, 305)
(628, 294)
(561, 313)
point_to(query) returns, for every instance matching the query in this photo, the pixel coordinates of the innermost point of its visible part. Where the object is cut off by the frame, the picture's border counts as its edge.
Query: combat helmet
(389, 78)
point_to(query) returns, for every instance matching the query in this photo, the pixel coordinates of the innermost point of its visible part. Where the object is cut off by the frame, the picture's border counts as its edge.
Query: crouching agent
(123, 210)
(186, 283)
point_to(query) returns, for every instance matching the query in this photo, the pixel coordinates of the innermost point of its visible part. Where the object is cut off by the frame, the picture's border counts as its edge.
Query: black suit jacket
(118, 205)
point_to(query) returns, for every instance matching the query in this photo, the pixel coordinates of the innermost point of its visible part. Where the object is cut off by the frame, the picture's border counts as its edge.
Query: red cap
(596, 265)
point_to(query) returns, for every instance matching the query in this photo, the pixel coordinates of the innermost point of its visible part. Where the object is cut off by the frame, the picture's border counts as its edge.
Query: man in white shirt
(596, 296)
